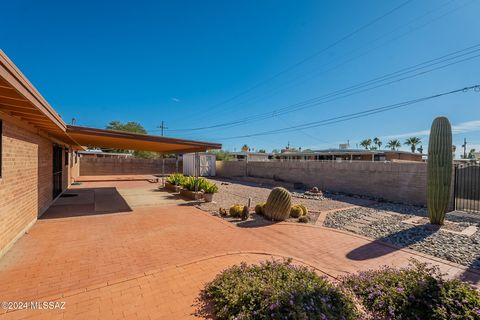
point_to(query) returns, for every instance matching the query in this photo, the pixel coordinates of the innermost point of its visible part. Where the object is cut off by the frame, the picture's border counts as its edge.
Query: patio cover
(136, 141)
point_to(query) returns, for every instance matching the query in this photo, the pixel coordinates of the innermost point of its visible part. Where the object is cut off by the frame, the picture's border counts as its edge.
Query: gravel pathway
(386, 223)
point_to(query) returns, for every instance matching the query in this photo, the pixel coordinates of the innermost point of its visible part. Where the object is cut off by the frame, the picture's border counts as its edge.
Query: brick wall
(92, 166)
(26, 181)
(394, 181)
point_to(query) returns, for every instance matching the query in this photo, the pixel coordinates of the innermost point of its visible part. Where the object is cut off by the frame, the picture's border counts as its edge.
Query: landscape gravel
(425, 238)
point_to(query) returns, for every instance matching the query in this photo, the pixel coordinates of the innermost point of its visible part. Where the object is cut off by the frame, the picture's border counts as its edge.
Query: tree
(245, 148)
(413, 142)
(394, 144)
(262, 151)
(377, 142)
(366, 143)
(134, 127)
(221, 155)
(471, 154)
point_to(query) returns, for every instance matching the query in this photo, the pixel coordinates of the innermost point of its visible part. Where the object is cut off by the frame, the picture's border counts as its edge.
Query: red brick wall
(26, 181)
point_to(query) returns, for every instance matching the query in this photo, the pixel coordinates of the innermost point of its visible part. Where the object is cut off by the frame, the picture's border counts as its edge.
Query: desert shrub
(277, 290)
(303, 219)
(296, 211)
(175, 179)
(304, 209)
(236, 210)
(415, 292)
(209, 187)
(189, 183)
(259, 208)
(223, 212)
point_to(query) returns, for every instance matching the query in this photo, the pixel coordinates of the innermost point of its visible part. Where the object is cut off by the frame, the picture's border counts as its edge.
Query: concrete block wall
(393, 181)
(92, 166)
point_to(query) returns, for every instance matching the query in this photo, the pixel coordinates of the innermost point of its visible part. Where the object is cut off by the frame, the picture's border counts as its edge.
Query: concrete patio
(124, 250)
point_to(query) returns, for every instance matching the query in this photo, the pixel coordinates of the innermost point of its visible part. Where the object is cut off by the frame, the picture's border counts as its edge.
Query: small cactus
(245, 213)
(259, 208)
(439, 169)
(278, 204)
(296, 211)
(304, 209)
(236, 210)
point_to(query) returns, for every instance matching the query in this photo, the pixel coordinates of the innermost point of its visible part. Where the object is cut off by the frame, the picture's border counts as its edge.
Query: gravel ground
(384, 222)
(237, 192)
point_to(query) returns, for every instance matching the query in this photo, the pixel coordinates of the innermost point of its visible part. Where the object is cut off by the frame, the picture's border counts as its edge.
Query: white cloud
(463, 127)
(175, 99)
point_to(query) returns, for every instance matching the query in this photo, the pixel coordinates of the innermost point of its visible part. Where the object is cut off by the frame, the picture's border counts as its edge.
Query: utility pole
(162, 127)
(464, 146)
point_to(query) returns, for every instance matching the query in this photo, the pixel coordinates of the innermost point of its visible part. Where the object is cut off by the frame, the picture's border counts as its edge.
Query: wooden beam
(29, 115)
(11, 107)
(10, 93)
(8, 101)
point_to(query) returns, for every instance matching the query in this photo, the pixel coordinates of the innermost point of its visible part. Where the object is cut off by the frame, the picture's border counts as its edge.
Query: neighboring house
(351, 155)
(251, 156)
(38, 152)
(103, 154)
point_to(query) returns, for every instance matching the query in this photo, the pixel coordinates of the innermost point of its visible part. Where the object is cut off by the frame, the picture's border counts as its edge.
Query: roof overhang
(20, 99)
(135, 141)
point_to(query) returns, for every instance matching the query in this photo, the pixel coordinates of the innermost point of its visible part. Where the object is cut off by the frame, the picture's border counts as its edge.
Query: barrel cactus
(439, 169)
(278, 204)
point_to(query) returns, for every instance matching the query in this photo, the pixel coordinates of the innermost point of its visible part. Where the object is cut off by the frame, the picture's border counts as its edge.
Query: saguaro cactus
(439, 169)
(278, 204)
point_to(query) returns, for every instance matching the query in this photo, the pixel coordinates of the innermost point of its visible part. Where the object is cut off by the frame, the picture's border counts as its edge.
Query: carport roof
(136, 141)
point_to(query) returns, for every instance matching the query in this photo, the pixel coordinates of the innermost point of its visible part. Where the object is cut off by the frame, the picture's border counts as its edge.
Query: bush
(189, 183)
(236, 210)
(416, 292)
(175, 179)
(209, 187)
(296, 211)
(303, 219)
(276, 290)
(259, 208)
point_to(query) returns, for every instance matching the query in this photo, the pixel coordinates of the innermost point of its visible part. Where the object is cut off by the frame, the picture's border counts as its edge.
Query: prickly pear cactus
(278, 204)
(439, 169)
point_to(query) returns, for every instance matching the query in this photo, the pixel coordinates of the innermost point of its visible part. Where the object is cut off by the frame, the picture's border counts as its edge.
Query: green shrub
(175, 179)
(303, 219)
(296, 211)
(189, 183)
(259, 208)
(209, 187)
(415, 292)
(277, 290)
(236, 210)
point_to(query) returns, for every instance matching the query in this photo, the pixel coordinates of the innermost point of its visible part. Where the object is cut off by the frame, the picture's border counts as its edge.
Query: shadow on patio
(377, 248)
(86, 202)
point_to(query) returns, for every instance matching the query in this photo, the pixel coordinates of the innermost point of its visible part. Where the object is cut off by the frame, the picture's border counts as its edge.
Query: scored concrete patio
(124, 250)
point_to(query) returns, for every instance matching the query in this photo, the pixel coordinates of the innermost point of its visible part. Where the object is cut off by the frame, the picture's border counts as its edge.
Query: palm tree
(377, 142)
(245, 148)
(366, 143)
(394, 144)
(413, 142)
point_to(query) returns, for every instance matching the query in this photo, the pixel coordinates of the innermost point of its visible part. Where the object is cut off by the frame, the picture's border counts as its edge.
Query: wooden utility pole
(162, 127)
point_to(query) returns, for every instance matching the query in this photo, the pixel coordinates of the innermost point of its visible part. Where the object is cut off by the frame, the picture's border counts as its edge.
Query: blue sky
(202, 63)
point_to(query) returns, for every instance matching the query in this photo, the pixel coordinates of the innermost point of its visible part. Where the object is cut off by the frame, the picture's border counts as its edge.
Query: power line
(355, 115)
(308, 58)
(443, 62)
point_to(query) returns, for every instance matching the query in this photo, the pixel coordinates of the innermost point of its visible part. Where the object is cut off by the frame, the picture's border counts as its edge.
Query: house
(351, 155)
(39, 152)
(251, 156)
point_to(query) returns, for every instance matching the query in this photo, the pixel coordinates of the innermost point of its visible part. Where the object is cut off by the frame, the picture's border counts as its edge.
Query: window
(1, 137)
